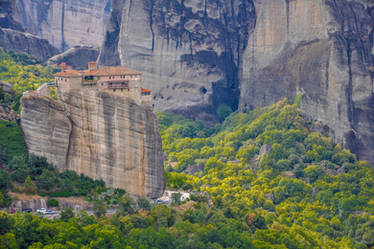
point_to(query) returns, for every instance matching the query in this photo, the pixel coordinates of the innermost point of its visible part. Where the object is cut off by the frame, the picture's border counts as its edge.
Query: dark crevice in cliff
(68, 151)
(327, 76)
(63, 43)
(152, 3)
(288, 17)
(349, 87)
(108, 114)
(109, 54)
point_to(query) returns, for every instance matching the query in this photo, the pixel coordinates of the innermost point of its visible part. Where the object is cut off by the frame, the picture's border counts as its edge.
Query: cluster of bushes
(24, 73)
(35, 175)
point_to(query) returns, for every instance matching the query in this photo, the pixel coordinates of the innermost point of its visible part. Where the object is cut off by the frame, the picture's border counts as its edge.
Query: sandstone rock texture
(65, 23)
(77, 56)
(27, 43)
(323, 50)
(99, 135)
(189, 51)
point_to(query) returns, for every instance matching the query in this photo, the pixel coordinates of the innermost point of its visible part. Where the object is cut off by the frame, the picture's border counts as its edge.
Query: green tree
(99, 208)
(66, 214)
(176, 198)
(29, 186)
(47, 180)
(126, 205)
(8, 241)
(223, 111)
(144, 204)
(52, 203)
(313, 172)
(20, 173)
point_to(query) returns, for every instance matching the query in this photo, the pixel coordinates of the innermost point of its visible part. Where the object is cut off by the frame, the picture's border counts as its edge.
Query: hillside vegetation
(24, 73)
(290, 186)
(272, 182)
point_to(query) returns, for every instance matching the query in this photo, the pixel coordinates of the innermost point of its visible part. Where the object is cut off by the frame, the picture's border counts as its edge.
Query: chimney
(92, 65)
(62, 66)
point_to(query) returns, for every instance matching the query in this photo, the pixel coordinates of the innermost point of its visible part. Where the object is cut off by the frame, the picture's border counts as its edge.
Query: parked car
(159, 201)
(26, 210)
(41, 210)
(50, 212)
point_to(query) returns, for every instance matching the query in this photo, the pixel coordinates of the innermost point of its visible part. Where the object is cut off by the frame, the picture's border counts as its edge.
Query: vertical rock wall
(190, 51)
(322, 49)
(65, 23)
(100, 135)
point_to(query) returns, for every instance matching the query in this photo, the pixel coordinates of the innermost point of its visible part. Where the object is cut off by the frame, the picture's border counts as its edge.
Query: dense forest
(268, 178)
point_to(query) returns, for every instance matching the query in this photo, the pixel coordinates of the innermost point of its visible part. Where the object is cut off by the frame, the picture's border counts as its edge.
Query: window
(90, 77)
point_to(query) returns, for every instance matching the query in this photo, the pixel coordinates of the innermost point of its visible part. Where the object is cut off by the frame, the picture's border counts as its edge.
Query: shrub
(66, 214)
(60, 194)
(52, 203)
(29, 186)
(144, 204)
(223, 111)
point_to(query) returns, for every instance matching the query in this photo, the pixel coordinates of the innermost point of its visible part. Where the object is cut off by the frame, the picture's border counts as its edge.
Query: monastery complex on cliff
(117, 80)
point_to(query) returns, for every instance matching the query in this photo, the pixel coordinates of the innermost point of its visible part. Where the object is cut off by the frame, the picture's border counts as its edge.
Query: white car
(45, 211)
(41, 210)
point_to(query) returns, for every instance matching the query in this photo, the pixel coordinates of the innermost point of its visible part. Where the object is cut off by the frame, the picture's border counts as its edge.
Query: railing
(89, 82)
(117, 86)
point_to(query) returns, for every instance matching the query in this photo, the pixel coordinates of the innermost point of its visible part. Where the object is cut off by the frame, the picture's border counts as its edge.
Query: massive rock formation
(323, 50)
(77, 56)
(98, 134)
(26, 43)
(198, 54)
(13, 37)
(9, 15)
(65, 23)
(189, 51)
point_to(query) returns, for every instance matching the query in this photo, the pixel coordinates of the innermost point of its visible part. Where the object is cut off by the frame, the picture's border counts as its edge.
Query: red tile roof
(144, 90)
(68, 73)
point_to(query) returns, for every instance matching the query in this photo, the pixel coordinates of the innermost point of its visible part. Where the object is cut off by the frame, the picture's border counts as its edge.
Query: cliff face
(65, 23)
(189, 51)
(14, 37)
(323, 50)
(27, 43)
(77, 57)
(100, 135)
(197, 54)
(9, 15)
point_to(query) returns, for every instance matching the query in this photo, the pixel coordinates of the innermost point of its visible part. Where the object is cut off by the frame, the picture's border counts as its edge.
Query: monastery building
(116, 80)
